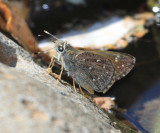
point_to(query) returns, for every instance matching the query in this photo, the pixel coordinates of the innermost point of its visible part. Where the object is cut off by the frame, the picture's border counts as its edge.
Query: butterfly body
(94, 70)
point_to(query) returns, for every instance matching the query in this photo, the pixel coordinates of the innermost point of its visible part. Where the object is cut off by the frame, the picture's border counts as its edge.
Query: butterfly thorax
(67, 57)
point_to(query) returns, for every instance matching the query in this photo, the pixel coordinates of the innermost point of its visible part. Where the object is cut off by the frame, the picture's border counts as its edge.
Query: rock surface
(31, 101)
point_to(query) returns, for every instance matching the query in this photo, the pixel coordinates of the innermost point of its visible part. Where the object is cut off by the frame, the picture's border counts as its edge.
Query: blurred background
(129, 26)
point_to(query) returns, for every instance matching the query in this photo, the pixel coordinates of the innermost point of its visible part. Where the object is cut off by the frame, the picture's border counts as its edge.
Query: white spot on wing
(116, 58)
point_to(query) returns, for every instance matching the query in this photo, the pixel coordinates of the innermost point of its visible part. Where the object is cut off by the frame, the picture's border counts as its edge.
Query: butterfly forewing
(98, 69)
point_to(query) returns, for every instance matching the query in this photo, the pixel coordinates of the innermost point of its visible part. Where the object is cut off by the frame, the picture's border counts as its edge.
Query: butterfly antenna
(41, 35)
(44, 51)
(50, 34)
(39, 52)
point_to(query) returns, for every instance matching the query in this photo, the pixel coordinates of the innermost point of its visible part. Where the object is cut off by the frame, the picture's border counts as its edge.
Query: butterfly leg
(81, 90)
(51, 64)
(87, 96)
(49, 70)
(74, 86)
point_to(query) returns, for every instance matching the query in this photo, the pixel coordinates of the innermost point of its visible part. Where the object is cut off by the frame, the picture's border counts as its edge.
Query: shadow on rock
(8, 55)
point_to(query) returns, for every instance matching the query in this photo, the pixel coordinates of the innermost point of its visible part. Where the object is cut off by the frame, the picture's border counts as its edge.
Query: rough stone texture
(31, 101)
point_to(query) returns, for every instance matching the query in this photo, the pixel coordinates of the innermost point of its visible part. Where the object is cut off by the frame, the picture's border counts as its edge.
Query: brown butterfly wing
(97, 70)
(123, 63)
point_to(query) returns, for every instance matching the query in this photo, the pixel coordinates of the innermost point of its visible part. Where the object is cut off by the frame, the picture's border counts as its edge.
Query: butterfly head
(60, 46)
(63, 49)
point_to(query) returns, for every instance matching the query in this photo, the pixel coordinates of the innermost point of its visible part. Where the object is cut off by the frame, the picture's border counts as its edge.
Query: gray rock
(31, 101)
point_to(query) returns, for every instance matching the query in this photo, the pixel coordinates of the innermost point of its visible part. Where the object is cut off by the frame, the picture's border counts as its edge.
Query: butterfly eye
(60, 48)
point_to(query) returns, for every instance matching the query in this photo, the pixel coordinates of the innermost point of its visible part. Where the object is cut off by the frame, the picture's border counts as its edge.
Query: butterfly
(94, 70)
